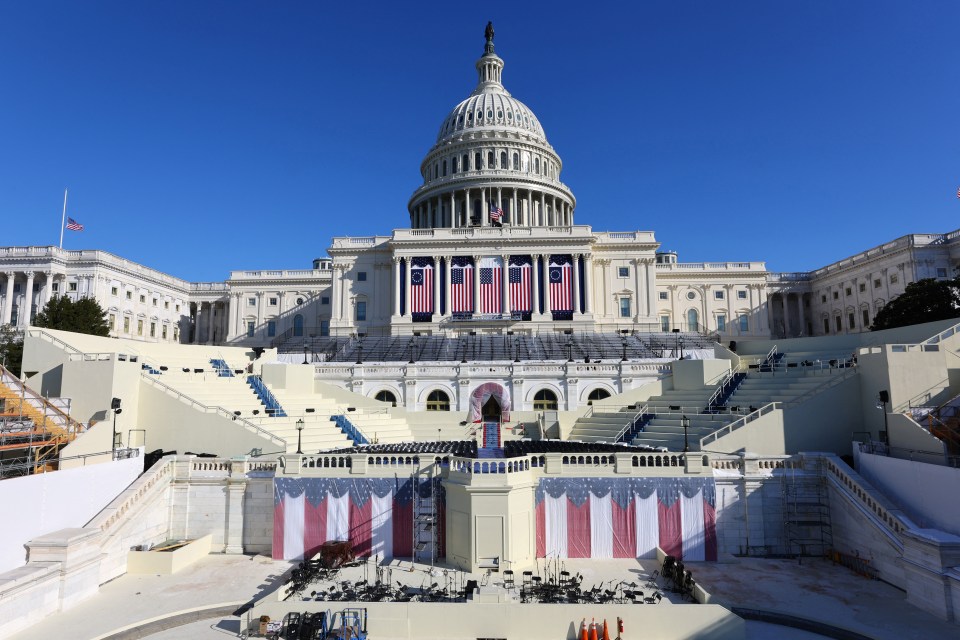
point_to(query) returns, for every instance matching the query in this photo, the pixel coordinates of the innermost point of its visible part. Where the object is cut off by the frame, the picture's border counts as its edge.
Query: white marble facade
(491, 207)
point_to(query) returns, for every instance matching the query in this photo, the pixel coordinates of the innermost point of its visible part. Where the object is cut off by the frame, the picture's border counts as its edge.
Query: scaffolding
(426, 526)
(806, 510)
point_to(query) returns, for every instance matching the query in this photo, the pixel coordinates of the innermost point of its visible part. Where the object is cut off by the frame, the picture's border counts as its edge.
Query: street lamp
(115, 406)
(882, 399)
(569, 349)
(680, 345)
(685, 422)
(305, 350)
(299, 433)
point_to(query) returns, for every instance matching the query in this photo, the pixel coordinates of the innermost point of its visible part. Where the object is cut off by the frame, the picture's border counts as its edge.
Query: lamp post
(305, 350)
(680, 345)
(569, 349)
(299, 433)
(115, 405)
(685, 422)
(883, 398)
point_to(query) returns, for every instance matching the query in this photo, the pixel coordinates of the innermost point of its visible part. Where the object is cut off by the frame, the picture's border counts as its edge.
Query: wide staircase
(378, 426)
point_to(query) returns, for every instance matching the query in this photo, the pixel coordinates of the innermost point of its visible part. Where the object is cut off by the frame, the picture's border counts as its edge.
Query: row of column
(204, 317)
(538, 264)
(442, 211)
(26, 302)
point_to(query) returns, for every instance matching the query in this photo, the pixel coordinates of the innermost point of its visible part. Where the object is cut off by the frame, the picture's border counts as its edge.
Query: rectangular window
(894, 279)
(665, 323)
(851, 322)
(721, 322)
(166, 304)
(72, 285)
(718, 295)
(741, 295)
(744, 323)
(271, 328)
(250, 328)
(143, 298)
(623, 272)
(114, 291)
(837, 320)
(877, 283)
(126, 325)
(624, 307)
(664, 295)
(129, 295)
(273, 302)
(176, 334)
(324, 328)
(836, 295)
(113, 322)
(154, 302)
(361, 310)
(324, 299)
(823, 298)
(826, 326)
(163, 332)
(139, 327)
(862, 287)
(849, 291)
(941, 272)
(361, 276)
(865, 313)
(153, 329)
(251, 302)
(178, 308)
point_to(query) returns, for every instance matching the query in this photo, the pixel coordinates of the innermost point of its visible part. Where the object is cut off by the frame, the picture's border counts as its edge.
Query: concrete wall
(45, 502)
(911, 441)
(696, 374)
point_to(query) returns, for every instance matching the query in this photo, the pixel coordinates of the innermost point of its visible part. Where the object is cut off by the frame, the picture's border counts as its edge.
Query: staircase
(270, 403)
(221, 367)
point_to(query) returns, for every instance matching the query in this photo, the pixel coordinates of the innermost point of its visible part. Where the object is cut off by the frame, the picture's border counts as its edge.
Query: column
(605, 291)
(210, 322)
(543, 214)
(231, 314)
(24, 319)
(786, 317)
(407, 270)
(396, 286)
(47, 288)
(8, 299)
(637, 268)
(500, 202)
(238, 323)
(436, 286)
(341, 290)
(505, 288)
(514, 214)
(650, 270)
(484, 212)
(453, 210)
(448, 268)
(466, 207)
(530, 219)
(547, 302)
(476, 284)
(588, 282)
(534, 276)
(576, 283)
(196, 325)
(803, 319)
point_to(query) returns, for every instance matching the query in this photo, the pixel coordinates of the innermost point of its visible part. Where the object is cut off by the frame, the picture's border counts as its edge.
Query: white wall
(37, 504)
(926, 492)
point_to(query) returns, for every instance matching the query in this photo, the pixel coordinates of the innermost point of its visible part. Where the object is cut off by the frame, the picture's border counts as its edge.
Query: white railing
(277, 440)
(727, 377)
(40, 333)
(629, 425)
(737, 424)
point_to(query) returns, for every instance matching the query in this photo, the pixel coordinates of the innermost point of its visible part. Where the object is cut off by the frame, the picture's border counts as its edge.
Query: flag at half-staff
(496, 214)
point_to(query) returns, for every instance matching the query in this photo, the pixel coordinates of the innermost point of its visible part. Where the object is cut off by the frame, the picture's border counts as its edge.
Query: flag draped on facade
(520, 277)
(626, 518)
(491, 285)
(461, 285)
(421, 285)
(561, 283)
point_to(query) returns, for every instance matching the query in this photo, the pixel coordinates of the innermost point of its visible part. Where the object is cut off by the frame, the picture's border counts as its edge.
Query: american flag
(496, 213)
(561, 283)
(461, 285)
(421, 285)
(491, 285)
(73, 225)
(520, 287)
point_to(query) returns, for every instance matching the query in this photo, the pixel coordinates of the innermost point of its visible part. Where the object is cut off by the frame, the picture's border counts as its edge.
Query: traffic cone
(583, 629)
(593, 630)
(606, 632)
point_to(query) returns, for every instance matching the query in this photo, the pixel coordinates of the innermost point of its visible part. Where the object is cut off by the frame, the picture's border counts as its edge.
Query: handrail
(849, 372)
(219, 410)
(70, 426)
(43, 334)
(722, 386)
(633, 421)
(736, 424)
(771, 354)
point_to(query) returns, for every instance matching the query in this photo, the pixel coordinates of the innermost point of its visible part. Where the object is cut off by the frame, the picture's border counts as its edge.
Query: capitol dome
(491, 164)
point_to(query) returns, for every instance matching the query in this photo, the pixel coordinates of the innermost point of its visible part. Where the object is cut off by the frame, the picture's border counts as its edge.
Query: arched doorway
(491, 416)
(491, 411)
(693, 321)
(298, 325)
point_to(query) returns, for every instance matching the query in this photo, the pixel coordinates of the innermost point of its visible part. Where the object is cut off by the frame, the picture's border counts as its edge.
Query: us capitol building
(492, 247)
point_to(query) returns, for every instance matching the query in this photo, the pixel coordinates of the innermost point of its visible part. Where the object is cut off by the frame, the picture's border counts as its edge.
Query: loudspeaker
(115, 403)
(884, 396)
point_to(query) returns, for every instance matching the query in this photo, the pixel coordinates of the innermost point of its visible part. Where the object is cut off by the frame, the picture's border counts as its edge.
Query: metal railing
(621, 435)
(737, 424)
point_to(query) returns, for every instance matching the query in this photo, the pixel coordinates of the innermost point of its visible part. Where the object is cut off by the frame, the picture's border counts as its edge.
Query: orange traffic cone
(606, 632)
(583, 629)
(593, 630)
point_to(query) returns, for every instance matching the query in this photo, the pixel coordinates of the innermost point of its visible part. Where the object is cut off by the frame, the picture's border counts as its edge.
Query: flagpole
(63, 218)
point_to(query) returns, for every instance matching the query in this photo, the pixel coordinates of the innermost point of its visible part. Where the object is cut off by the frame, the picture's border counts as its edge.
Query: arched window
(545, 400)
(536, 165)
(444, 167)
(386, 396)
(477, 161)
(516, 162)
(490, 162)
(298, 325)
(436, 170)
(597, 394)
(503, 159)
(466, 162)
(693, 320)
(453, 164)
(438, 401)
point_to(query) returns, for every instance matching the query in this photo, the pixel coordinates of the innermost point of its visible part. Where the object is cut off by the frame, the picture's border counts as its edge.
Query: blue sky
(200, 137)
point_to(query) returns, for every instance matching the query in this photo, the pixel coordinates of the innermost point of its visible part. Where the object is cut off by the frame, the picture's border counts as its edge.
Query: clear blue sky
(198, 137)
